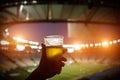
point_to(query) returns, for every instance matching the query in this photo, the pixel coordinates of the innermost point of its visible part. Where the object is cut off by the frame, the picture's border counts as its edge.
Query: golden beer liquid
(53, 51)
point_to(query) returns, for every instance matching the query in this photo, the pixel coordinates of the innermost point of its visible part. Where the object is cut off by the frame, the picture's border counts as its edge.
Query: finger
(62, 58)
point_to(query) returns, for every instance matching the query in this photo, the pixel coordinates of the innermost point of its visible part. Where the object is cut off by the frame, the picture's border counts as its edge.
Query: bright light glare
(77, 46)
(34, 1)
(82, 45)
(19, 39)
(21, 8)
(86, 45)
(3, 42)
(70, 50)
(20, 47)
(35, 43)
(14, 38)
(99, 44)
(39, 47)
(96, 44)
(27, 16)
(118, 40)
(25, 2)
(114, 41)
(35, 64)
(91, 45)
(70, 61)
(38, 50)
(105, 43)
(68, 45)
(110, 42)
(34, 47)
(6, 30)
(7, 33)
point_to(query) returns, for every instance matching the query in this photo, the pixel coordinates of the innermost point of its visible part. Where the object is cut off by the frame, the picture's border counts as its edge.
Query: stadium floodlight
(70, 61)
(14, 38)
(25, 41)
(34, 1)
(25, 2)
(96, 44)
(3, 42)
(6, 30)
(105, 43)
(110, 42)
(27, 16)
(77, 46)
(31, 42)
(114, 41)
(37, 43)
(34, 47)
(19, 39)
(70, 50)
(7, 33)
(35, 64)
(86, 45)
(91, 45)
(39, 47)
(39, 50)
(99, 44)
(82, 45)
(20, 47)
(21, 8)
(118, 40)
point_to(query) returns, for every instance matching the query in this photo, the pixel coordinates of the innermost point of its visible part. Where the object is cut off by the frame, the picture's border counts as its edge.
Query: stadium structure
(97, 60)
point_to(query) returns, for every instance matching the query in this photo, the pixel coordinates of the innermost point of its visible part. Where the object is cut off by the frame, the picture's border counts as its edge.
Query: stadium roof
(74, 11)
(81, 11)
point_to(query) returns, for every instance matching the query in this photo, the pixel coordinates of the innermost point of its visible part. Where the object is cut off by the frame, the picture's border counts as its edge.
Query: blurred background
(91, 30)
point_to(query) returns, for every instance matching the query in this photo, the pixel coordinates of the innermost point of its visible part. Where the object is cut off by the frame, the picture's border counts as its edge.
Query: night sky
(72, 32)
(37, 31)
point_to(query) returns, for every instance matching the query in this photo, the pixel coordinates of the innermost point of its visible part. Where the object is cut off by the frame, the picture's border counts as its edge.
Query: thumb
(43, 57)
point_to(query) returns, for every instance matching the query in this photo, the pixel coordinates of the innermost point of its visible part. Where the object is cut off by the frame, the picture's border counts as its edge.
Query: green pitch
(69, 72)
(77, 70)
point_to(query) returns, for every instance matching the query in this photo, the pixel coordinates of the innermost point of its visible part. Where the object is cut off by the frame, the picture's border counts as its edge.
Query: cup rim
(54, 36)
